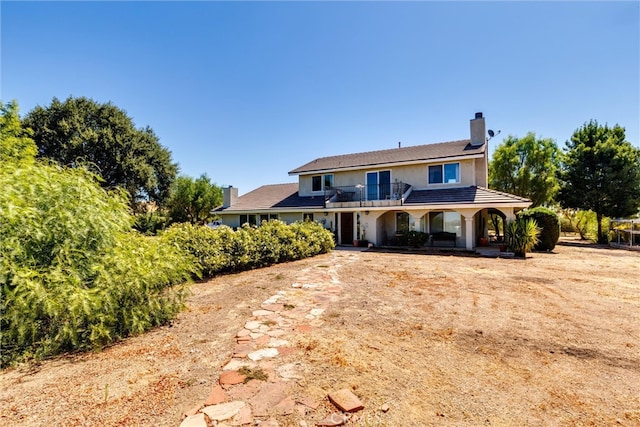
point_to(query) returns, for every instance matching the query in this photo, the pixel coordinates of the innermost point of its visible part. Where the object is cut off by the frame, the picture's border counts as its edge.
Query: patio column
(468, 231)
(468, 226)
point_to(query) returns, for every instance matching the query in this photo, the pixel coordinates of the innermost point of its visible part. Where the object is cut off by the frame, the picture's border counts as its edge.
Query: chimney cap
(479, 115)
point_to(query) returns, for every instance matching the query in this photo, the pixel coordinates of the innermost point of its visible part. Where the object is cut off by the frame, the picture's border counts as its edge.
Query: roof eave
(388, 164)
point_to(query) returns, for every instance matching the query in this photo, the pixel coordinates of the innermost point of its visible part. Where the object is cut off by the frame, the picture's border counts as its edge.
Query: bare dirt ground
(553, 340)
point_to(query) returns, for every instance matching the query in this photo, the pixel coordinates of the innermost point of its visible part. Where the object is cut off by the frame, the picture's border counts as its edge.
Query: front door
(346, 228)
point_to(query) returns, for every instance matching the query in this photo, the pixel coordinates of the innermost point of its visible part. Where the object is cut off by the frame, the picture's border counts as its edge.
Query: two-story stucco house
(440, 189)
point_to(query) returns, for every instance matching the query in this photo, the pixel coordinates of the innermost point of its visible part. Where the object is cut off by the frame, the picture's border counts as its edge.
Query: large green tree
(526, 167)
(193, 200)
(16, 143)
(81, 131)
(601, 172)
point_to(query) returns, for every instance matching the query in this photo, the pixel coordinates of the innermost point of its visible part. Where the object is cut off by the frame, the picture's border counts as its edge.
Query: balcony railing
(360, 195)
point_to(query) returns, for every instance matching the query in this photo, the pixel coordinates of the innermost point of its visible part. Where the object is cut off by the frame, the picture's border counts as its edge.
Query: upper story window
(448, 173)
(321, 182)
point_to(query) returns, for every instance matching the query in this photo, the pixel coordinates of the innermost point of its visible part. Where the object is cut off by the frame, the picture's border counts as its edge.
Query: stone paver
(223, 411)
(263, 353)
(267, 398)
(345, 400)
(335, 419)
(263, 345)
(216, 396)
(231, 378)
(196, 420)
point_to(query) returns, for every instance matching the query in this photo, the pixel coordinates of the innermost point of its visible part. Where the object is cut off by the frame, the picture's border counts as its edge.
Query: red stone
(345, 400)
(244, 348)
(285, 407)
(216, 396)
(263, 340)
(245, 391)
(269, 396)
(231, 378)
(243, 417)
(311, 403)
(191, 411)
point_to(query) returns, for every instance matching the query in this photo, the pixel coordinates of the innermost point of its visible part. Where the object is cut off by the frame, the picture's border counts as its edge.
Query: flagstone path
(252, 387)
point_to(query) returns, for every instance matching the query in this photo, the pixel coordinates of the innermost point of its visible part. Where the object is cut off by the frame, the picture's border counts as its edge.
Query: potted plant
(521, 235)
(362, 241)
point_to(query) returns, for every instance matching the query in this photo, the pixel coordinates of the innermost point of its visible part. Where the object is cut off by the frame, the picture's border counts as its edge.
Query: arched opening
(497, 220)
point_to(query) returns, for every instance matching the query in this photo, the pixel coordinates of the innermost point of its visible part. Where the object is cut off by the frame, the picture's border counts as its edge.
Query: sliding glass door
(378, 185)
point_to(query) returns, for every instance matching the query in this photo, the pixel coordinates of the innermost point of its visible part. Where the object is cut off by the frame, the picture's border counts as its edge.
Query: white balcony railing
(360, 195)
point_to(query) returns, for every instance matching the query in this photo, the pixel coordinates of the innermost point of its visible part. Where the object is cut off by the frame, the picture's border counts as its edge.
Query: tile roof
(425, 152)
(276, 196)
(462, 195)
(285, 196)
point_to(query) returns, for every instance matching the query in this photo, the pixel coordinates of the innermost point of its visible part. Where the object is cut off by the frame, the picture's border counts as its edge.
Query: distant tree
(601, 172)
(80, 131)
(526, 167)
(192, 200)
(16, 143)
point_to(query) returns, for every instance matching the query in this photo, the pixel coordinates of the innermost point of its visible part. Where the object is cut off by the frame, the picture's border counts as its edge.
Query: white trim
(390, 165)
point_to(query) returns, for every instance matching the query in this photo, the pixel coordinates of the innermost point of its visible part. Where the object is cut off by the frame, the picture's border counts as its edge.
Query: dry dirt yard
(553, 340)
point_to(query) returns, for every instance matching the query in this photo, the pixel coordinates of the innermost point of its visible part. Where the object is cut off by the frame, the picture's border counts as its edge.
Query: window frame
(449, 221)
(319, 182)
(442, 167)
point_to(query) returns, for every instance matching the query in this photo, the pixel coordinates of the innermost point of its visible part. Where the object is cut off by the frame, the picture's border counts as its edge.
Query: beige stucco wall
(481, 170)
(232, 221)
(472, 172)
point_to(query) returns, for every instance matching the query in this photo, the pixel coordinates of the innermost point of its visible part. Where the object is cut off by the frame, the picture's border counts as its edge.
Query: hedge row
(223, 250)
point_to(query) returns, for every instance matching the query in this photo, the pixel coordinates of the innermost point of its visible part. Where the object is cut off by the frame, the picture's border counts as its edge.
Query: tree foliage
(72, 274)
(526, 167)
(601, 172)
(101, 137)
(193, 200)
(16, 143)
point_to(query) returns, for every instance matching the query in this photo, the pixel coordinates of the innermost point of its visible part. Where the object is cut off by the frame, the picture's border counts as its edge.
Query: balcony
(357, 196)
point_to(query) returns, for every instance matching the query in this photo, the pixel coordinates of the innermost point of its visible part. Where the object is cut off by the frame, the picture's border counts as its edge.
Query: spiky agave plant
(521, 235)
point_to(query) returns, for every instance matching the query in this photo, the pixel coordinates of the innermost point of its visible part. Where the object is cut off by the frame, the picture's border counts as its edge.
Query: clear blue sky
(247, 91)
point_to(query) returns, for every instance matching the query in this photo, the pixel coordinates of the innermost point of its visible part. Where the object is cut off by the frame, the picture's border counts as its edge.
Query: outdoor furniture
(443, 237)
(344, 196)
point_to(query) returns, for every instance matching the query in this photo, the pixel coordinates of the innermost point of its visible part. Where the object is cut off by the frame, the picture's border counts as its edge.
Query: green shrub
(566, 226)
(585, 223)
(222, 249)
(73, 275)
(549, 225)
(521, 235)
(417, 238)
(150, 223)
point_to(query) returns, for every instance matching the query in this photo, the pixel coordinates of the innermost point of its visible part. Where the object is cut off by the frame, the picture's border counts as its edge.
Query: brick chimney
(229, 196)
(478, 131)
